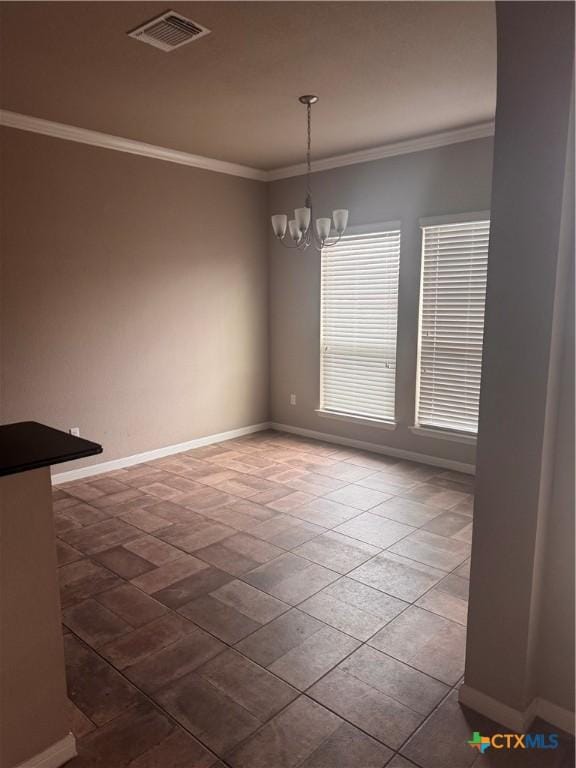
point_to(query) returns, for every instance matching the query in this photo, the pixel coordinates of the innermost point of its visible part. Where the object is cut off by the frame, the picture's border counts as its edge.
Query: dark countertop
(30, 445)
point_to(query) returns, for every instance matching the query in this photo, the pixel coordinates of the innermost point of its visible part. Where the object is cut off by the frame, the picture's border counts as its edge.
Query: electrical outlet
(292, 399)
(75, 431)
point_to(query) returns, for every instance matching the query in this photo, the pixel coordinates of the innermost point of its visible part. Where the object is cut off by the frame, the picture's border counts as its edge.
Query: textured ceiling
(384, 71)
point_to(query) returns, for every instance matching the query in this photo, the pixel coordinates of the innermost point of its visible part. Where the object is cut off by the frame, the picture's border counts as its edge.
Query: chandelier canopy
(303, 230)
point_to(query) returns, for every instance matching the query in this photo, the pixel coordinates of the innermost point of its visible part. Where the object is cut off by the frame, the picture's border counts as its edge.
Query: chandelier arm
(302, 244)
(319, 245)
(333, 243)
(284, 241)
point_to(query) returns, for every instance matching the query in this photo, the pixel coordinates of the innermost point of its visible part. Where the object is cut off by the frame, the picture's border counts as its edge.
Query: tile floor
(269, 602)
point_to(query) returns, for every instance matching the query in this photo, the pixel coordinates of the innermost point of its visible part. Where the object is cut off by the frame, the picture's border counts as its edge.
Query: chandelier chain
(309, 152)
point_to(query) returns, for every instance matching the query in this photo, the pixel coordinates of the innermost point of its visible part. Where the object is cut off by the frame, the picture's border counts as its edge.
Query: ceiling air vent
(169, 31)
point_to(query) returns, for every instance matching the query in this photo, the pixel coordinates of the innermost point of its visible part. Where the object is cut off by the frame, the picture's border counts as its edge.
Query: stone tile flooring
(269, 602)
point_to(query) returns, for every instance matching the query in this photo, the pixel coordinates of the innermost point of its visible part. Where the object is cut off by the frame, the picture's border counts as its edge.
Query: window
(452, 298)
(359, 317)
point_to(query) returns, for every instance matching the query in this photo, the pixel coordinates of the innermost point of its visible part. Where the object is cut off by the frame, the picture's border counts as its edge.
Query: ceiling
(384, 71)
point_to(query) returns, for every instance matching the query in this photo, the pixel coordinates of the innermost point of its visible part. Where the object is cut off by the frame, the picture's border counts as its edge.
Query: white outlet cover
(75, 431)
(292, 399)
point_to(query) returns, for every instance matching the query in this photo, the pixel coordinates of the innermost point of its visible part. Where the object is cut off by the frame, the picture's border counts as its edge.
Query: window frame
(428, 430)
(378, 227)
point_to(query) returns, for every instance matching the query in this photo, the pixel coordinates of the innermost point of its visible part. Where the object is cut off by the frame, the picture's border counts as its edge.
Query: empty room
(287, 384)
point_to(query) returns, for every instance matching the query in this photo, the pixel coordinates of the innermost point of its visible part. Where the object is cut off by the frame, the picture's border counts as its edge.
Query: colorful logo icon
(514, 741)
(481, 743)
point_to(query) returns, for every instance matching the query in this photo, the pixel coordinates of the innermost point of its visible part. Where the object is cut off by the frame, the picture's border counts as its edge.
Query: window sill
(376, 423)
(442, 434)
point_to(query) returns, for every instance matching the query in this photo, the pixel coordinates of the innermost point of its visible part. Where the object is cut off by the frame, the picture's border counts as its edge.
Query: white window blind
(359, 319)
(453, 292)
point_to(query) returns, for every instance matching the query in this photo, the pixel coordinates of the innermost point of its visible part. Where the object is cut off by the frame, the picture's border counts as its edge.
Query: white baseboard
(158, 453)
(515, 719)
(199, 442)
(496, 710)
(558, 716)
(398, 453)
(54, 756)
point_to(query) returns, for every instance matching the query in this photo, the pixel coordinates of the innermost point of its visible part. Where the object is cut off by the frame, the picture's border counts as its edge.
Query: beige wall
(451, 179)
(135, 292)
(134, 295)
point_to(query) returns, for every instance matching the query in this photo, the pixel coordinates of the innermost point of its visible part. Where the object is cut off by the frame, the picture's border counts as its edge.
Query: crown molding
(120, 144)
(429, 141)
(107, 141)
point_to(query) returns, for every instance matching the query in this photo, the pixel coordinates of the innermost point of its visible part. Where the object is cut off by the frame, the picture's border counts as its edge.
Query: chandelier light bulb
(294, 230)
(340, 218)
(302, 216)
(323, 228)
(279, 224)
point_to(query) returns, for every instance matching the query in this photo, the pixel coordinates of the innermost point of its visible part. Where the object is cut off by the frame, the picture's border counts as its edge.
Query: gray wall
(134, 295)
(555, 655)
(521, 573)
(451, 179)
(555, 645)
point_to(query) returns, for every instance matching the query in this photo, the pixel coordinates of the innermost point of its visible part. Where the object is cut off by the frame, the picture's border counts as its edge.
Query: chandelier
(303, 231)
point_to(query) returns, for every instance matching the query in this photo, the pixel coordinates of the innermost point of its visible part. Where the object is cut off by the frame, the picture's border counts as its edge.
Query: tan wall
(451, 179)
(34, 713)
(134, 295)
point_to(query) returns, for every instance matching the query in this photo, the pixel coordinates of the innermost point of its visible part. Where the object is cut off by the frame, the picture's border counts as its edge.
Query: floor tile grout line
(233, 645)
(412, 603)
(420, 562)
(338, 576)
(159, 706)
(344, 602)
(409, 605)
(389, 695)
(222, 758)
(368, 511)
(229, 647)
(176, 611)
(261, 726)
(417, 482)
(423, 723)
(382, 549)
(143, 693)
(367, 643)
(321, 496)
(307, 696)
(363, 642)
(326, 706)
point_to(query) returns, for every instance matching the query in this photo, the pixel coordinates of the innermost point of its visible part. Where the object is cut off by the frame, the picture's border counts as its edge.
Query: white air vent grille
(169, 31)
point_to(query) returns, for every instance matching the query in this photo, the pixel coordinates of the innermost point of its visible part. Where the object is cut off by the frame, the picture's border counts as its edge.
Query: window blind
(453, 292)
(359, 308)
